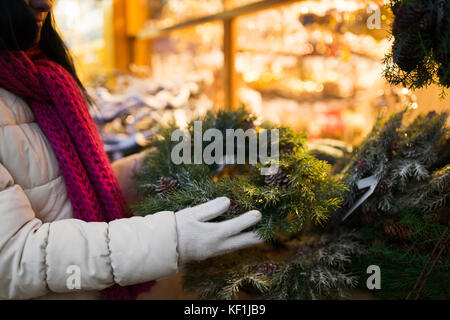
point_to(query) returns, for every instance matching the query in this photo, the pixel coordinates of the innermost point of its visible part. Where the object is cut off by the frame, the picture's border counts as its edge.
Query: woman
(62, 211)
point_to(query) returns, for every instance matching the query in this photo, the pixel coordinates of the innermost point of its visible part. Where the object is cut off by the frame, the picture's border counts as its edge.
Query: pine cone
(248, 123)
(362, 166)
(279, 178)
(268, 268)
(396, 231)
(382, 188)
(166, 185)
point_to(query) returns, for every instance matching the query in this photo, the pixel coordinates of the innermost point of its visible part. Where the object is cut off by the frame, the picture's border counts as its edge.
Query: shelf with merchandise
(315, 67)
(317, 55)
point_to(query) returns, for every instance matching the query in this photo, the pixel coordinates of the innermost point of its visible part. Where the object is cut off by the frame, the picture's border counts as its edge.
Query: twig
(433, 259)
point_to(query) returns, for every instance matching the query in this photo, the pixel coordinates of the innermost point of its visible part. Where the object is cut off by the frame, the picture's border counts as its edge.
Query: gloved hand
(199, 239)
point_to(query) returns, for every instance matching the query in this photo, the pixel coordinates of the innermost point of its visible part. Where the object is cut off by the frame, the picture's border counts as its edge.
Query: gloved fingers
(237, 225)
(240, 241)
(211, 209)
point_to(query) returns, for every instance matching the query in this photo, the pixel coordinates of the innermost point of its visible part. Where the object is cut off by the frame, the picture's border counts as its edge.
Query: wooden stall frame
(149, 33)
(133, 42)
(129, 17)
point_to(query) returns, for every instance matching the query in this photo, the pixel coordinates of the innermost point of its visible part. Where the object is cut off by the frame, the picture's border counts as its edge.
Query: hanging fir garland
(421, 51)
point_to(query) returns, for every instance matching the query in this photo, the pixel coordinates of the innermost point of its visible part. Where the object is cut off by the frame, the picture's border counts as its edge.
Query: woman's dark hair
(18, 31)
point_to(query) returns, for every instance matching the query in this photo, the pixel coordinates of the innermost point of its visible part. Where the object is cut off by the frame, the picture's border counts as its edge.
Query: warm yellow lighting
(251, 25)
(331, 76)
(414, 106)
(277, 67)
(328, 39)
(181, 118)
(310, 86)
(305, 10)
(405, 91)
(319, 87)
(344, 5)
(251, 76)
(130, 119)
(72, 9)
(267, 77)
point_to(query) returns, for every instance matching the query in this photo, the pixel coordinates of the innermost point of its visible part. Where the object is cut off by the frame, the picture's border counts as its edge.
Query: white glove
(199, 239)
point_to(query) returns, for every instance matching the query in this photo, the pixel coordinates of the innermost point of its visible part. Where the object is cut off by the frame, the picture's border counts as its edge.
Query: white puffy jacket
(40, 242)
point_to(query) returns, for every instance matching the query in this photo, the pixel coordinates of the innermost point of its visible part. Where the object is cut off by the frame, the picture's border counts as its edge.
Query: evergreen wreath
(299, 259)
(420, 53)
(404, 224)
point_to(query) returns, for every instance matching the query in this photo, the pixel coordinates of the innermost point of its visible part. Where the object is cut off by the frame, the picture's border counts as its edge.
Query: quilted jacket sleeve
(37, 258)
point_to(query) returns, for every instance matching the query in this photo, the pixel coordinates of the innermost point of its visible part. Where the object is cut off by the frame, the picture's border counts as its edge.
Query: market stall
(365, 145)
(317, 59)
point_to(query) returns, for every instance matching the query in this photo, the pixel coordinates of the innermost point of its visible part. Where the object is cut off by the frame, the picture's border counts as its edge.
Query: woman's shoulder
(13, 109)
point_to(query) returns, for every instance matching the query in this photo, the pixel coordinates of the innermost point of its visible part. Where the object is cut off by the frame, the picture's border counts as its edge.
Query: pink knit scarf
(62, 113)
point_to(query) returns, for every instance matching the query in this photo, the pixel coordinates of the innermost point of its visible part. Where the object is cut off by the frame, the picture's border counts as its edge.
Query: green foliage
(411, 161)
(323, 274)
(401, 263)
(304, 201)
(421, 51)
(309, 196)
(406, 159)
(224, 277)
(433, 195)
